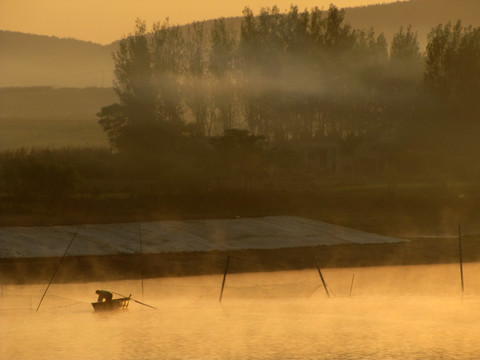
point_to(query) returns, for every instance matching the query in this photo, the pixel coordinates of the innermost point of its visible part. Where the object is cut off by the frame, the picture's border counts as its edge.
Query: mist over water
(407, 312)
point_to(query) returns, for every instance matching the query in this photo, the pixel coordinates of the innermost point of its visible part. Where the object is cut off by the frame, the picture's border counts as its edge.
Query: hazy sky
(104, 21)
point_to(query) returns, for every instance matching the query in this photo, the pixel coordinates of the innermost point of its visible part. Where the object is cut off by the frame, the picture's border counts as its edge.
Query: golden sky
(104, 21)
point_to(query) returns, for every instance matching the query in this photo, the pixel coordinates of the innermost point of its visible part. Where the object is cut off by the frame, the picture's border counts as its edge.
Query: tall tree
(261, 53)
(404, 46)
(452, 86)
(198, 92)
(134, 87)
(453, 66)
(402, 88)
(169, 66)
(222, 64)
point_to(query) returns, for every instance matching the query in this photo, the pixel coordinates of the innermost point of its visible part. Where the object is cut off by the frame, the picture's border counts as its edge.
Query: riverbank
(402, 210)
(124, 266)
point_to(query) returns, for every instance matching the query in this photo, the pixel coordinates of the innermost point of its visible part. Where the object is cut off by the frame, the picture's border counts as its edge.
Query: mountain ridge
(42, 60)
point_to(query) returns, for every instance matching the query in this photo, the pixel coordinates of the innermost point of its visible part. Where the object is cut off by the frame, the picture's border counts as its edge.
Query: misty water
(405, 312)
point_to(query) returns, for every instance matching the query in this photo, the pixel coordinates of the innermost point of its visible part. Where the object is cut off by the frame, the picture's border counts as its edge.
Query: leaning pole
(460, 252)
(321, 276)
(58, 267)
(224, 278)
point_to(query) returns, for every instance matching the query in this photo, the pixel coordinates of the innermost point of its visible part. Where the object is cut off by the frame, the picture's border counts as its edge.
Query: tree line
(293, 76)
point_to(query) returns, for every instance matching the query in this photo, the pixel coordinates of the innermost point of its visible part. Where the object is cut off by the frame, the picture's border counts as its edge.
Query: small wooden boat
(106, 302)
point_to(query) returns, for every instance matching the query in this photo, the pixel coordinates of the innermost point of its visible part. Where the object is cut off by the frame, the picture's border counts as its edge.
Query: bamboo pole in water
(321, 276)
(224, 277)
(58, 267)
(351, 285)
(461, 256)
(130, 297)
(141, 252)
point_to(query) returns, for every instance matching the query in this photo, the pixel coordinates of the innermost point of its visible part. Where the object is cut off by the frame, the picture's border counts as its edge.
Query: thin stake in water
(351, 285)
(141, 252)
(58, 267)
(321, 276)
(224, 277)
(461, 256)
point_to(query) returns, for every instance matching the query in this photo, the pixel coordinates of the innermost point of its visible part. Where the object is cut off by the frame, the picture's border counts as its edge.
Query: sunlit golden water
(414, 312)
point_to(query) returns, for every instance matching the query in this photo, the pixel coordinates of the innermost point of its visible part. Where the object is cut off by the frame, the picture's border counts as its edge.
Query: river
(405, 312)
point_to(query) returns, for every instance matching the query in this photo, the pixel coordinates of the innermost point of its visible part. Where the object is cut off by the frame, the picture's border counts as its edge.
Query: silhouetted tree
(222, 63)
(169, 66)
(126, 122)
(452, 88)
(405, 46)
(402, 88)
(198, 90)
(453, 66)
(149, 112)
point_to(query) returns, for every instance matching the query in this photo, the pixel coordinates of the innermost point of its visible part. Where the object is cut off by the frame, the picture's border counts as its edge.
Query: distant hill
(35, 60)
(423, 15)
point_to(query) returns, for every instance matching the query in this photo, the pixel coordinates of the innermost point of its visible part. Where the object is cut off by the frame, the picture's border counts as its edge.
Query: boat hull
(115, 304)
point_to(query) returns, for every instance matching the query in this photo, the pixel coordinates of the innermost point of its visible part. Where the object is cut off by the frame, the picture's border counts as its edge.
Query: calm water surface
(414, 312)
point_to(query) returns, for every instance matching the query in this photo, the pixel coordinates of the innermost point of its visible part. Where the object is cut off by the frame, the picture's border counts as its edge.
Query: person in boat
(104, 296)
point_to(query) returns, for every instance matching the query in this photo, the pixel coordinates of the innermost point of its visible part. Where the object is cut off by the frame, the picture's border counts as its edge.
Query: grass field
(405, 206)
(18, 133)
(404, 213)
